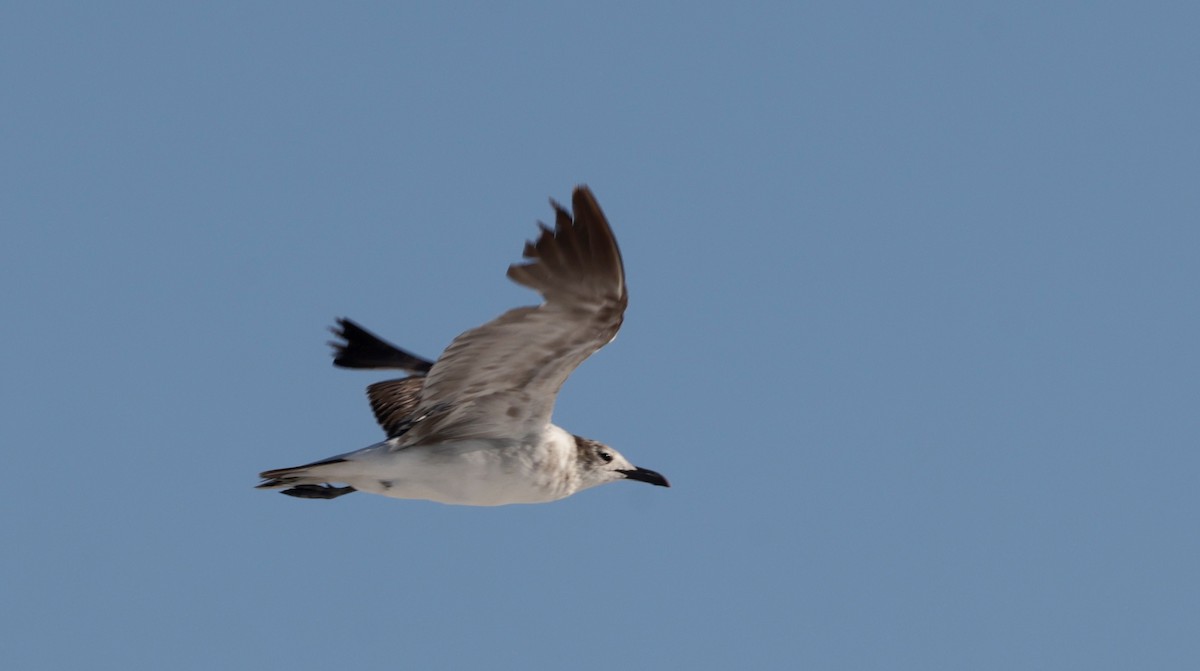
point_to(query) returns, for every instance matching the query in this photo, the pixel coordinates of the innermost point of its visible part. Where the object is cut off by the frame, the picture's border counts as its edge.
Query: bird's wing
(501, 379)
(393, 402)
(363, 349)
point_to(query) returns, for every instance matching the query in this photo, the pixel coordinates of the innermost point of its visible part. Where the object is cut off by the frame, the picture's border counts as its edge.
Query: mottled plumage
(474, 427)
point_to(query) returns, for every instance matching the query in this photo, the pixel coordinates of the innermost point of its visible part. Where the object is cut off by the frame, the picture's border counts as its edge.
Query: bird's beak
(647, 475)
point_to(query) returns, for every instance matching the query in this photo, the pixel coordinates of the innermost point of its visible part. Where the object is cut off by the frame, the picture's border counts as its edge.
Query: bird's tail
(306, 482)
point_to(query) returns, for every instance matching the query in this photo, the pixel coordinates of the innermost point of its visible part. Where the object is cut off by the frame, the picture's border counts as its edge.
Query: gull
(473, 428)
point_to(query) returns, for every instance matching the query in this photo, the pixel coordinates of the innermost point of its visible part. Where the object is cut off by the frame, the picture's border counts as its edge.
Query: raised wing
(501, 379)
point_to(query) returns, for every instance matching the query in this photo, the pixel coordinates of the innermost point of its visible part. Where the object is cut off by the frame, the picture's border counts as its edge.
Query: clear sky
(912, 329)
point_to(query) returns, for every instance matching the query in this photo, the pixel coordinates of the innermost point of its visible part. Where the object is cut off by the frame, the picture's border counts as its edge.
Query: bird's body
(473, 428)
(473, 472)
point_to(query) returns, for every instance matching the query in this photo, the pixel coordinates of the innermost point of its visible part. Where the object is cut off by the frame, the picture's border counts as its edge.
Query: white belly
(472, 472)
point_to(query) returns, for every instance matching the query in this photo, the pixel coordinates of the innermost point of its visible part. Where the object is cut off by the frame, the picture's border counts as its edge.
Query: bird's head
(601, 464)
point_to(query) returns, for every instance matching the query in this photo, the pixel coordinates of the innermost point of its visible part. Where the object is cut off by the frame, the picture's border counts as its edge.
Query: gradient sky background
(913, 331)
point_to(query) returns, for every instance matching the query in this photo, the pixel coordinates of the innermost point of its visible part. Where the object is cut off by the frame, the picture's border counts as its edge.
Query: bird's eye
(606, 457)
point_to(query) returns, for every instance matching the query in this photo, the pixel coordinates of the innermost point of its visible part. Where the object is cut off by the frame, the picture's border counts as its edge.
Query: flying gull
(473, 428)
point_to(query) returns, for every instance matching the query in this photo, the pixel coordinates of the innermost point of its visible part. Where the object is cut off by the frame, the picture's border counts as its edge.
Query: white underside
(477, 472)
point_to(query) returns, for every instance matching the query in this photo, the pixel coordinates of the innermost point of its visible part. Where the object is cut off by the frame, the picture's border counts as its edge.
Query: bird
(474, 427)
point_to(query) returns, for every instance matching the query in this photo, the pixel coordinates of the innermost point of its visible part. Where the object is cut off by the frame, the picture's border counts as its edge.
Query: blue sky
(912, 330)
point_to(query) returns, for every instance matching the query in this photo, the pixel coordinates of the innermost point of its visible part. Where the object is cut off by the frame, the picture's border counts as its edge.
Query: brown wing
(501, 379)
(393, 402)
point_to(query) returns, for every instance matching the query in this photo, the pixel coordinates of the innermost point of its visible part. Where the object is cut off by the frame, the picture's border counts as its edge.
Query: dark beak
(647, 475)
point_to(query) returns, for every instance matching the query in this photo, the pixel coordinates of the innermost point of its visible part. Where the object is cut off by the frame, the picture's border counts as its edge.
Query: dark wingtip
(363, 349)
(318, 491)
